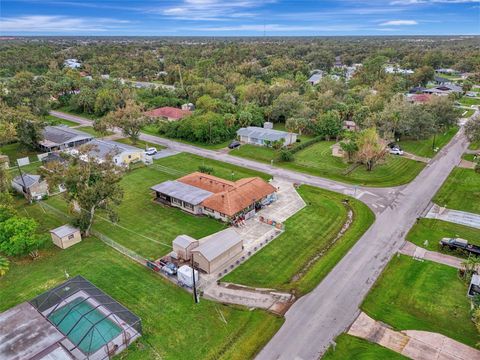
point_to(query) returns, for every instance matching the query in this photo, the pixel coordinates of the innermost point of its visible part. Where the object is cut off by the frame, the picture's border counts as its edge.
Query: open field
(460, 191)
(308, 233)
(414, 295)
(149, 228)
(317, 160)
(353, 348)
(434, 230)
(425, 147)
(174, 327)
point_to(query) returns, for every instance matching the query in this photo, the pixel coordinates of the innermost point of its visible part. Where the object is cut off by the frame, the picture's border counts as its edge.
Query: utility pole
(195, 298)
(25, 190)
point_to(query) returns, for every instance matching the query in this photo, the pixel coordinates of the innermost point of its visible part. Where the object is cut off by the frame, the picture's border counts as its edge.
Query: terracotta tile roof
(169, 112)
(229, 197)
(421, 98)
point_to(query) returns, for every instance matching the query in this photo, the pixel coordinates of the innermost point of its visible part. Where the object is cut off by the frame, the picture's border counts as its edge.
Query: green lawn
(308, 233)
(140, 144)
(461, 191)
(69, 110)
(318, 160)
(149, 228)
(425, 147)
(474, 146)
(16, 151)
(434, 230)
(469, 101)
(53, 120)
(469, 157)
(153, 130)
(353, 348)
(415, 295)
(468, 113)
(90, 130)
(173, 326)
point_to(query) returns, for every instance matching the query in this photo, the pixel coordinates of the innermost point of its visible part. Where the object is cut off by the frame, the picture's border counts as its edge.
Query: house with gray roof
(183, 245)
(315, 78)
(62, 137)
(31, 186)
(121, 154)
(264, 137)
(215, 251)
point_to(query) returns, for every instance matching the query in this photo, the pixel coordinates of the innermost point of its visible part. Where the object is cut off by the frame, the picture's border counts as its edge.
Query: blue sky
(239, 17)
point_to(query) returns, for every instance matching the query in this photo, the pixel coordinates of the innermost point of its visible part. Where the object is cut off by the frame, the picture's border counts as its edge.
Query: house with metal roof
(216, 250)
(65, 236)
(62, 137)
(31, 186)
(121, 154)
(183, 245)
(265, 137)
(315, 78)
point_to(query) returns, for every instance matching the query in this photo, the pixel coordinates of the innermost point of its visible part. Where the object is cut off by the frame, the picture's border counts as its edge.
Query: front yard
(415, 295)
(425, 147)
(461, 191)
(317, 160)
(308, 233)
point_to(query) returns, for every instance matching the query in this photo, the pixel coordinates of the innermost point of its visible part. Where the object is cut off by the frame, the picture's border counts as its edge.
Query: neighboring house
(350, 125)
(419, 98)
(65, 236)
(168, 113)
(72, 63)
(397, 70)
(31, 186)
(121, 154)
(447, 71)
(217, 250)
(444, 89)
(315, 78)
(62, 137)
(183, 245)
(441, 80)
(264, 137)
(203, 194)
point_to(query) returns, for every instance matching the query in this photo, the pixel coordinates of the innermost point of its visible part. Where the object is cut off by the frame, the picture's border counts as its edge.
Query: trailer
(460, 244)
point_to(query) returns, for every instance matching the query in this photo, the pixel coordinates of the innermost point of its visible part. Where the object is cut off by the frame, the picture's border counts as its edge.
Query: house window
(187, 206)
(70, 237)
(176, 202)
(208, 210)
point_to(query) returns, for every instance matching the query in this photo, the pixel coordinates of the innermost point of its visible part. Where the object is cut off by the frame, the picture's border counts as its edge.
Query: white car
(396, 151)
(151, 151)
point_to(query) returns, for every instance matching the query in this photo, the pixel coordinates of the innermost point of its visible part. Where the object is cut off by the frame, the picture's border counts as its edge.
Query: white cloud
(277, 28)
(414, 2)
(47, 23)
(399, 23)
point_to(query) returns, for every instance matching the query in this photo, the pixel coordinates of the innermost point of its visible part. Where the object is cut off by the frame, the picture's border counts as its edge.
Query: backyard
(415, 295)
(433, 231)
(149, 228)
(353, 348)
(317, 160)
(173, 326)
(282, 264)
(461, 191)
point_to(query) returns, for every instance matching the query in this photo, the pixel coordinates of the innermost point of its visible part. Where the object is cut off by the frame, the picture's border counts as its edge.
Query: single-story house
(393, 69)
(446, 71)
(441, 80)
(261, 136)
(183, 245)
(62, 137)
(419, 98)
(168, 113)
(65, 236)
(350, 125)
(315, 78)
(121, 154)
(31, 186)
(72, 63)
(203, 194)
(216, 250)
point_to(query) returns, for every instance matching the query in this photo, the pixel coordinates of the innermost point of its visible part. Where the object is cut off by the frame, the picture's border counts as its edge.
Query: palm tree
(4, 265)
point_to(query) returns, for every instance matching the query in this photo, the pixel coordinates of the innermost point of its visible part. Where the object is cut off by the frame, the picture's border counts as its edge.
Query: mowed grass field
(425, 147)
(173, 326)
(140, 144)
(53, 120)
(90, 130)
(353, 348)
(461, 191)
(415, 295)
(147, 227)
(308, 233)
(318, 160)
(432, 231)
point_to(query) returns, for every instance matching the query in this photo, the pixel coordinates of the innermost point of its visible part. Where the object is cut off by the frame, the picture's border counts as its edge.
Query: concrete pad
(165, 153)
(454, 216)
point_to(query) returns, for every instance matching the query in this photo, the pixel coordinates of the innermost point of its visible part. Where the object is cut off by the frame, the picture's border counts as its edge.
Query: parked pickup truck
(462, 244)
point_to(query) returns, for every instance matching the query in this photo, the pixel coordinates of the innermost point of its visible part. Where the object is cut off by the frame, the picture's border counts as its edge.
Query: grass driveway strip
(307, 234)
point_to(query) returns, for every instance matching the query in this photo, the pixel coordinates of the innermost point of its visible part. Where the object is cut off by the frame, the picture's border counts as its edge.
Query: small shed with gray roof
(265, 137)
(183, 196)
(65, 236)
(217, 250)
(183, 245)
(62, 137)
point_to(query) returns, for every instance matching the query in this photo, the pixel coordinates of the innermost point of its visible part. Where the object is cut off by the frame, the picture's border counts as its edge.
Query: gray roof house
(62, 137)
(315, 78)
(31, 186)
(261, 136)
(121, 154)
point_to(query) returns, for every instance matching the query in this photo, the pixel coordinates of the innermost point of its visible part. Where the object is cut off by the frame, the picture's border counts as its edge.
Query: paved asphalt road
(318, 317)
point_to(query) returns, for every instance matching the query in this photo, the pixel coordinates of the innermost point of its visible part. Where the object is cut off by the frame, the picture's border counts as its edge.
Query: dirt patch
(313, 260)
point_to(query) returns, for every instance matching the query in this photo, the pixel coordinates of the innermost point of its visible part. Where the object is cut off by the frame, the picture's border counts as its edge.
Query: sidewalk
(420, 253)
(416, 158)
(417, 345)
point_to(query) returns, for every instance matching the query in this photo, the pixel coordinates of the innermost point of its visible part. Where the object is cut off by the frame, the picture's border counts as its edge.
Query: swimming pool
(76, 320)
